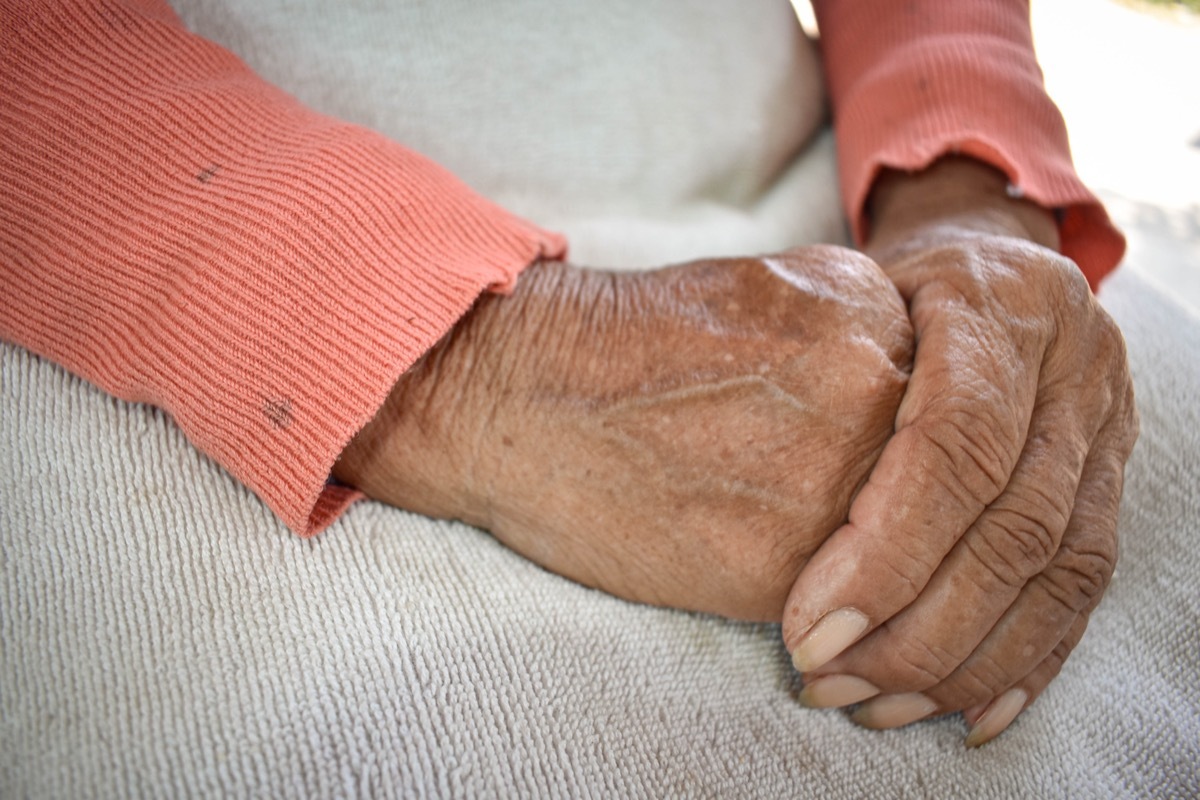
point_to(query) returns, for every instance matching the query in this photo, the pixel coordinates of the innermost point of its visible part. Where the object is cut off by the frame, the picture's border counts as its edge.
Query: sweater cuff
(964, 83)
(181, 233)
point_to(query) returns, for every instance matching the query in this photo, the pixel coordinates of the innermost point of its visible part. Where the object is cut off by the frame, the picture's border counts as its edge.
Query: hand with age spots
(986, 534)
(685, 437)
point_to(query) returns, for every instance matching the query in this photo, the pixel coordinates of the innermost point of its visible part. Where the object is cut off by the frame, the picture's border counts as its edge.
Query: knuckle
(1042, 280)
(1072, 285)
(1061, 651)
(1016, 545)
(874, 375)
(917, 665)
(1032, 521)
(830, 271)
(1032, 542)
(1077, 578)
(1064, 648)
(975, 438)
(1000, 565)
(977, 682)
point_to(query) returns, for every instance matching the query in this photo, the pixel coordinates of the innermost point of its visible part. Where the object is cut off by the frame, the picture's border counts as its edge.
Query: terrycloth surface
(164, 635)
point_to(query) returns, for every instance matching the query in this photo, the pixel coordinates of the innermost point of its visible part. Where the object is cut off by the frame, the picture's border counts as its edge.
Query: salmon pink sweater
(181, 233)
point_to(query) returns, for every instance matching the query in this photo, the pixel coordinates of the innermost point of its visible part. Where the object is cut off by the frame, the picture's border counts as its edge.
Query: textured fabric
(165, 636)
(181, 233)
(913, 81)
(645, 132)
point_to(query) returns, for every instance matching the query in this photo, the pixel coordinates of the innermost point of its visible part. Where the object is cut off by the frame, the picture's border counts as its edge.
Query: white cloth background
(162, 634)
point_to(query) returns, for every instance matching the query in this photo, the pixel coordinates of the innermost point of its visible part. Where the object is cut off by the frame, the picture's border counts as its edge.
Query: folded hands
(914, 462)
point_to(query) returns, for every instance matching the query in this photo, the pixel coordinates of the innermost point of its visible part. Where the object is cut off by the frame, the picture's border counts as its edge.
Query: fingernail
(999, 715)
(894, 710)
(835, 691)
(972, 714)
(836, 631)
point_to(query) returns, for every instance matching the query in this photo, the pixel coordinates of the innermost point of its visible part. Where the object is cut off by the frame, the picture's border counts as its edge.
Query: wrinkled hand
(684, 437)
(986, 533)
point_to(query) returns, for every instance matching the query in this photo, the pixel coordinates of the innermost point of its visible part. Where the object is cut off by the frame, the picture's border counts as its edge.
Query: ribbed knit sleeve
(912, 81)
(180, 233)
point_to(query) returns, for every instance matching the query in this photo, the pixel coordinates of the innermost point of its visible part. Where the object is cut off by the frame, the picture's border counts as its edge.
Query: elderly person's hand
(683, 437)
(986, 533)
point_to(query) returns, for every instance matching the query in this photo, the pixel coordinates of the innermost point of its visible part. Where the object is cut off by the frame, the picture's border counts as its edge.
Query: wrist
(430, 448)
(954, 198)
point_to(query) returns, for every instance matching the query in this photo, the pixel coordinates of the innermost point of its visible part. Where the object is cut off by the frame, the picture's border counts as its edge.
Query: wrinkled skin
(987, 532)
(685, 437)
(690, 437)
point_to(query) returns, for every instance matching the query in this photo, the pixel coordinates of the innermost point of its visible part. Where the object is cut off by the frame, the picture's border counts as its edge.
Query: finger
(1002, 707)
(896, 710)
(1012, 541)
(1048, 607)
(990, 720)
(961, 428)
(1043, 618)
